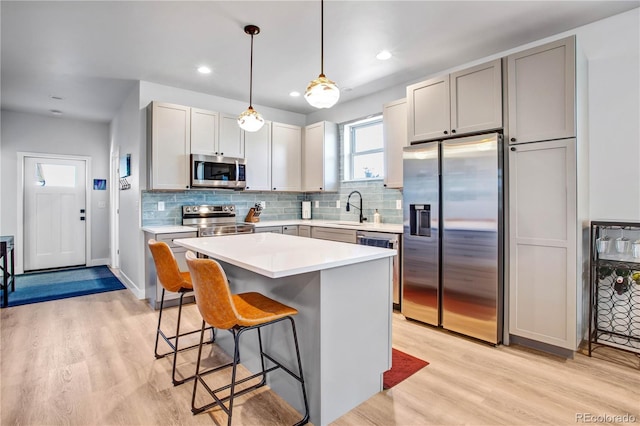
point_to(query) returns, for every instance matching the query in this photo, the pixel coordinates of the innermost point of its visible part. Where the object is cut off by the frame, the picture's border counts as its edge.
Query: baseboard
(99, 262)
(544, 347)
(137, 292)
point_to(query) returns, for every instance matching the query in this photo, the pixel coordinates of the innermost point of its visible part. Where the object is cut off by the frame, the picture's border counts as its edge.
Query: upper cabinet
(467, 101)
(286, 172)
(320, 157)
(231, 142)
(258, 158)
(541, 84)
(213, 133)
(394, 118)
(170, 146)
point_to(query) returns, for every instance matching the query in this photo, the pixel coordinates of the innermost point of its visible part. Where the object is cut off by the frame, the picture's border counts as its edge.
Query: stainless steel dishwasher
(385, 240)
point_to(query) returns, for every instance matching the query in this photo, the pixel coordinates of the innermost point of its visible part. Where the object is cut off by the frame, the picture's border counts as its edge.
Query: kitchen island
(343, 294)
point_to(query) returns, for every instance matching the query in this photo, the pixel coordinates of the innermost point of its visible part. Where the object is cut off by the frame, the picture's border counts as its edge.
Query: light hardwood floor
(89, 361)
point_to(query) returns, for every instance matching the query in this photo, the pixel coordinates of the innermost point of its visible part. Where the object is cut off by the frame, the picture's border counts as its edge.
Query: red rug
(402, 366)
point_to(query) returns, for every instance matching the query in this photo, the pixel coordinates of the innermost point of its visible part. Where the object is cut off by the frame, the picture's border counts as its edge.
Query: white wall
(22, 132)
(612, 49)
(127, 133)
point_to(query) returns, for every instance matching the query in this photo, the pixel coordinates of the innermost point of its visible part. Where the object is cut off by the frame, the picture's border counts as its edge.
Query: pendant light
(322, 92)
(251, 120)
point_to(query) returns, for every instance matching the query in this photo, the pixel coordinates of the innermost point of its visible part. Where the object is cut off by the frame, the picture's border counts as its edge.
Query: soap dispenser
(376, 217)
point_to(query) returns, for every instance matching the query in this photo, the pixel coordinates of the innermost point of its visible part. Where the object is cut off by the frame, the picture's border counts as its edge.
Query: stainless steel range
(214, 220)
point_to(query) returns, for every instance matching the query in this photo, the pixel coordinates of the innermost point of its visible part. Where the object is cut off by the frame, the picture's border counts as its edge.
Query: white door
(54, 213)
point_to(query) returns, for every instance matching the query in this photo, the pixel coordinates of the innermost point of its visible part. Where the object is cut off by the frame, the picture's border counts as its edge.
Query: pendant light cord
(322, 37)
(251, 76)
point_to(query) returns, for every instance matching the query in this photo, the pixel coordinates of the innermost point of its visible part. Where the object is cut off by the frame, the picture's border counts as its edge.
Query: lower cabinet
(290, 229)
(304, 231)
(153, 287)
(273, 229)
(334, 234)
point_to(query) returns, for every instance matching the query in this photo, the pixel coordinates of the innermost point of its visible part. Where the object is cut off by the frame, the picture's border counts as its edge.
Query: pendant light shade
(251, 120)
(322, 92)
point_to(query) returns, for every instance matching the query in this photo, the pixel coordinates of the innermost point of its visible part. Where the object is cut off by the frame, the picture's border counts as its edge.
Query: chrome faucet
(362, 219)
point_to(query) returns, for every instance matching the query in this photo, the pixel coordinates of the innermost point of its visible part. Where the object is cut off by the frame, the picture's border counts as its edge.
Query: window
(364, 149)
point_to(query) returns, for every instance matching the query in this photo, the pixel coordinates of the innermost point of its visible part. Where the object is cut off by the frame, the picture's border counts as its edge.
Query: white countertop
(168, 229)
(278, 255)
(394, 228)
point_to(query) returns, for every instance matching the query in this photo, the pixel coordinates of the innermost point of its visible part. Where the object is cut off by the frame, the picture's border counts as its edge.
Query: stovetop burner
(214, 220)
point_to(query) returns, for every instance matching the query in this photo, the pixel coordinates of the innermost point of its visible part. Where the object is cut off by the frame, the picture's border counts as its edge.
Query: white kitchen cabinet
(170, 146)
(153, 286)
(320, 157)
(544, 264)
(286, 151)
(541, 84)
(204, 132)
(394, 118)
(230, 138)
(428, 109)
(466, 101)
(258, 159)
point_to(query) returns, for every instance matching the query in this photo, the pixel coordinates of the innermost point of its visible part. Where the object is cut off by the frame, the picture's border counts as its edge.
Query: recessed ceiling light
(204, 70)
(55, 112)
(383, 55)
(294, 94)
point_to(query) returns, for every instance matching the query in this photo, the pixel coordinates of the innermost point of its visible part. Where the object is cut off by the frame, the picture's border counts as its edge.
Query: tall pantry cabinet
(546, 270)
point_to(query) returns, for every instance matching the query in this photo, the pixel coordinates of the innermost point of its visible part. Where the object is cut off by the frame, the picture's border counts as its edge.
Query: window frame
(349, 151)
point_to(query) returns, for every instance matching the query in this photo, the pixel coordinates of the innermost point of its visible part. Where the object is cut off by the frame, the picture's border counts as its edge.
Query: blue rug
(45, 286)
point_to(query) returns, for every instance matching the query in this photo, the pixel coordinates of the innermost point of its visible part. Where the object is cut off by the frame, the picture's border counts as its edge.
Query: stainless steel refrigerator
(453, 231)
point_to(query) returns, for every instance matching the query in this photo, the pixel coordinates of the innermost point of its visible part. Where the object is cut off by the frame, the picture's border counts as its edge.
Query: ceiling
(89, 53)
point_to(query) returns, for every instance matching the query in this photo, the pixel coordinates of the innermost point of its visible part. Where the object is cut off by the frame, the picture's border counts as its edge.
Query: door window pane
(55, 175)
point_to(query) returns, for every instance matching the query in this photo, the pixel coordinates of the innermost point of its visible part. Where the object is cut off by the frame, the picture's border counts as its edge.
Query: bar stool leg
(175, 350)
(159, 322)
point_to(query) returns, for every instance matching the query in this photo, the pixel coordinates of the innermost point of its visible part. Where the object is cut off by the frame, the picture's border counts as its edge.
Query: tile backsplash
(279, 205)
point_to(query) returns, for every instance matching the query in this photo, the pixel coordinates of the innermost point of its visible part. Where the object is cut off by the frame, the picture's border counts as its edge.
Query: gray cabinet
(320, 157)
(466, 101)
(304, 231)
(290, 229)
(273, 229)
(334, 234)
(153, 288)
(394, 118)
(541, 84)
(169, 145)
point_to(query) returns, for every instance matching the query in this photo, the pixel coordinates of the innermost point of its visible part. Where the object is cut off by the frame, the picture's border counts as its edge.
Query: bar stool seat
(237, 313)
(174, 280)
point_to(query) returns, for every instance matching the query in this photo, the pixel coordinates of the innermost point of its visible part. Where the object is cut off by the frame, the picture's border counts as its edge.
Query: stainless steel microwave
(217, 172)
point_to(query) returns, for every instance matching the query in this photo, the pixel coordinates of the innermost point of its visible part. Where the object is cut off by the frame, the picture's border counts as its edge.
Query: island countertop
(278, 255)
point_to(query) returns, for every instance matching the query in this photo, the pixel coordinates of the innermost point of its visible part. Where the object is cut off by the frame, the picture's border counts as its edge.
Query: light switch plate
(160, 206)
(398, 204)
(337, 204)
(317, 204)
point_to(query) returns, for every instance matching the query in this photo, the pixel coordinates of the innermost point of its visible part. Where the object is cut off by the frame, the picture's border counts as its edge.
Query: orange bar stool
(237, 313)
(172, 279)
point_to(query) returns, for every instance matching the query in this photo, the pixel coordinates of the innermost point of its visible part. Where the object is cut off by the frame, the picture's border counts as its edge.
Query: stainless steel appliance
(214, 220)
(217, 172)
(385, 240)
(453, 232)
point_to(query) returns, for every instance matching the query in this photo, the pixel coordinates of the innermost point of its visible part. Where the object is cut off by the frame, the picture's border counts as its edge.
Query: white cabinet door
(394, 117)
(542, 227)
(204, 132)
(428, 109)
(230, 140)
(320, 157)
(170, 146)
(476, 98)
(286, 158)
(541, 85)
(258, 158)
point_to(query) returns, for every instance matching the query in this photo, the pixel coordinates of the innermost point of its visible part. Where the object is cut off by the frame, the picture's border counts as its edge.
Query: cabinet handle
(513, 139)
(320, 188)
(274, 189)
(453, 131)
(513, 148)
(385, 185)
(222, 153)
(446, 133)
